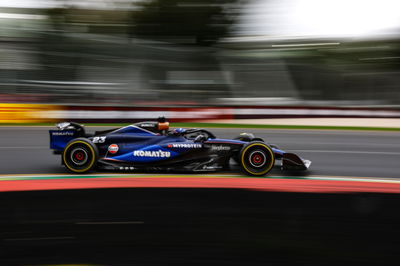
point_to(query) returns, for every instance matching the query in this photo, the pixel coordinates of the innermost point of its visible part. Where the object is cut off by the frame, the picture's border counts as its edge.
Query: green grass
(222, 125)
(219, 125)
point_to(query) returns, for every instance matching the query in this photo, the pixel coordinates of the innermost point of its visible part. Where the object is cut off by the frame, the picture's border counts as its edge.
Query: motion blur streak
(26, 113)
(201, 59)
(198, 227)
(200, 52)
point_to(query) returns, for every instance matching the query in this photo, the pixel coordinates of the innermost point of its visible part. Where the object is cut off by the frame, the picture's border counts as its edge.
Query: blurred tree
(203, 22)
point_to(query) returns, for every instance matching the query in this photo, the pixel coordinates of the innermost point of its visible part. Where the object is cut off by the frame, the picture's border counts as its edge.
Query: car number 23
(101, 139)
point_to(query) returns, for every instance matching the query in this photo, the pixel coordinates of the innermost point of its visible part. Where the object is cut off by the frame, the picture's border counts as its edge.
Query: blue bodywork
(139, 145)
(60, 138)
(136, 146)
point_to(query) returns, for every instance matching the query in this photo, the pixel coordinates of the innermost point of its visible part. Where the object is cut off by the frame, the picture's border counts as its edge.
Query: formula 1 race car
(153, 146)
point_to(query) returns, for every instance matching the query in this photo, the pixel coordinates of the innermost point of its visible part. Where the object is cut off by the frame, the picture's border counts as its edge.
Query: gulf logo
(113, 148)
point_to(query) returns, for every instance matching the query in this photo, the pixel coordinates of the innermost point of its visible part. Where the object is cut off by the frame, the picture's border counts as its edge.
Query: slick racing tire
(256, 158)
(80, 155)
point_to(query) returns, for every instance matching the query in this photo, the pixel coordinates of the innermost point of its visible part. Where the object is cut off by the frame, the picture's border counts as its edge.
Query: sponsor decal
(220, 148)
(62, 133)
(185, 145)
(113, 148)
(157, 154)
(147, 125)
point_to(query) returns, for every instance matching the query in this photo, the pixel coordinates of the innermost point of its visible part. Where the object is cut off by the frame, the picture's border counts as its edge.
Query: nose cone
(291, 161)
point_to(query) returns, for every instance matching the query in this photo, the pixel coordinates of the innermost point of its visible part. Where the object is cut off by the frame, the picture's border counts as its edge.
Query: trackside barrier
(181, 114)
(97, 114)
(39, 113)
(27, 113)
(254, 112)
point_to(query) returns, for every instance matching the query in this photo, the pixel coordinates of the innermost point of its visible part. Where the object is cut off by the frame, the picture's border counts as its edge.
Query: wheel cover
(79, 156)
(257, 159)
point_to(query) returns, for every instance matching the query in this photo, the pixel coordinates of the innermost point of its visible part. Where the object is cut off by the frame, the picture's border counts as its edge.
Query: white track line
(350, 152)
(361, 179)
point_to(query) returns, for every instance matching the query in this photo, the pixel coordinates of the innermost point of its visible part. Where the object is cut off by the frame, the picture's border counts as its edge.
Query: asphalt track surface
(25, 150)
(200, 220)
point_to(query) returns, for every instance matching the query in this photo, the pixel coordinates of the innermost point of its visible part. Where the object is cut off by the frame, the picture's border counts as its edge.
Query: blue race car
(153, 146)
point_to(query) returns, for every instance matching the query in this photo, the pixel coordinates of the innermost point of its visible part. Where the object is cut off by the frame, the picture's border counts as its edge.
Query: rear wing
(60, 138)
(66, 132)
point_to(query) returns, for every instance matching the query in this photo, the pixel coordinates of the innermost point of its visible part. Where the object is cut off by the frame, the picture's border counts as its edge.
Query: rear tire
(256, 158)
(80, 155)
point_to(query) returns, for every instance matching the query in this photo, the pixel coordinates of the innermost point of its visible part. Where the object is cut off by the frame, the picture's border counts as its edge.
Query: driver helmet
(163, 126)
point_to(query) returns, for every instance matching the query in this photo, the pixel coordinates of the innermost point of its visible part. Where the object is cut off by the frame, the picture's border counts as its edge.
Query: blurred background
(200, 52)
(118, 60)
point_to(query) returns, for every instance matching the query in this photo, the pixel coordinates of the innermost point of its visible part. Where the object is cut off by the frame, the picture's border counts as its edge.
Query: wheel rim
(257, 158)
(79, 156)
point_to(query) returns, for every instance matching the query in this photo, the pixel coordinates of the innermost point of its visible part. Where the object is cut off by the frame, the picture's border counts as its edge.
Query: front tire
(256, 158)
(80, 155)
